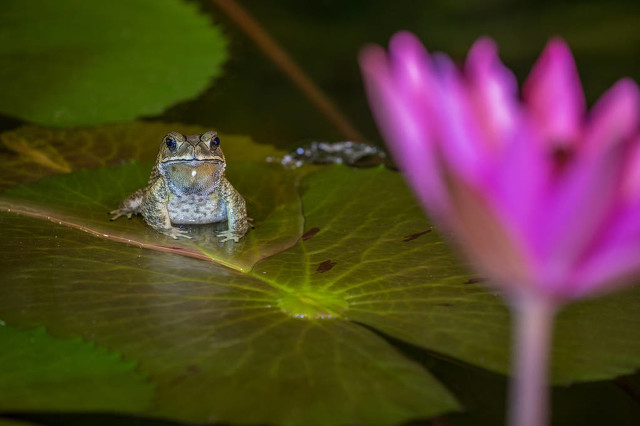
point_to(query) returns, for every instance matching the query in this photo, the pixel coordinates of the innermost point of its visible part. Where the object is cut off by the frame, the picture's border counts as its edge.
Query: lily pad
(375, 250)
(214, 342)
(79, 63)
(42, 373)
(82, 200)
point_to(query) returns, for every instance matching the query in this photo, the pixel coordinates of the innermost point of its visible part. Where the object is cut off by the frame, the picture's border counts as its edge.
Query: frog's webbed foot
(121, 212)
(229, 236)
(175, 233)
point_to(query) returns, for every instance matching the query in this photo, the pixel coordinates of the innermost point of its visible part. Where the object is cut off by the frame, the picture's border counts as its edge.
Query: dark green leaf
(83, 199)
(400, 278)
(80, 62)
(47, 374)
(214, 342)
(367, 256)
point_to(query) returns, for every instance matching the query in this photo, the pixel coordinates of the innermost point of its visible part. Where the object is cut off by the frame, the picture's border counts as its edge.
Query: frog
(188, 186)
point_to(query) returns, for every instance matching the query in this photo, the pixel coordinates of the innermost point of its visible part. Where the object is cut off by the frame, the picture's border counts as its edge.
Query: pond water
(255, 98)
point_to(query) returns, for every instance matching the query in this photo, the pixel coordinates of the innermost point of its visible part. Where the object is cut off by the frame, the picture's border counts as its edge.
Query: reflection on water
(155, 261)
(205, 238)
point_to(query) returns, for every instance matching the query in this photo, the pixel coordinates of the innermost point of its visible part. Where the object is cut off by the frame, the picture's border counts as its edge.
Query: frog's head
(191, 163)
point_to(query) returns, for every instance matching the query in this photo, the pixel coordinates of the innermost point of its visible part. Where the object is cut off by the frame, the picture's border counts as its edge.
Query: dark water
(324, 36)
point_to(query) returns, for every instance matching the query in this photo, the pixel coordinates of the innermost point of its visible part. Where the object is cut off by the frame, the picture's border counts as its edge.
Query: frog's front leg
(155, 212)
(236, 213)
(130, 205)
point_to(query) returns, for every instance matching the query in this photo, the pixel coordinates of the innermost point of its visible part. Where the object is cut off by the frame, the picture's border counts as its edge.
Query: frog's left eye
(171, 143)
(215, 141)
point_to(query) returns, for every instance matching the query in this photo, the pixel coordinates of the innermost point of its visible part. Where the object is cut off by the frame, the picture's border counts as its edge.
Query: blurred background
(324, 36)
(254, 97)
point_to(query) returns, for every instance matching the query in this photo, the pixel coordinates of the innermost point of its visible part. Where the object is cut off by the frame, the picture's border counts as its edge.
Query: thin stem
(529, 393)
(252, 29)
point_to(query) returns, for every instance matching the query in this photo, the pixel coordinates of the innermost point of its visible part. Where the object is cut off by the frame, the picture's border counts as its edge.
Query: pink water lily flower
(542, 196)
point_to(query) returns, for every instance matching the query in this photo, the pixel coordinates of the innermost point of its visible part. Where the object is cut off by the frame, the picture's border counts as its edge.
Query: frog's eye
(171, 143)
(215, 141)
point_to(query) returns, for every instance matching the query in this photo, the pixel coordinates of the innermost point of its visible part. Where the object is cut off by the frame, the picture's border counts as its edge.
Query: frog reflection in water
(188, 186)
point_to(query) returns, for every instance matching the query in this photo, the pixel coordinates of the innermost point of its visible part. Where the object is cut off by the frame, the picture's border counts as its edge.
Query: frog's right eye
(171, 143)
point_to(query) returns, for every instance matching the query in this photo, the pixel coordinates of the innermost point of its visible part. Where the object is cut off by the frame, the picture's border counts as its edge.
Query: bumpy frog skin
(187, 187)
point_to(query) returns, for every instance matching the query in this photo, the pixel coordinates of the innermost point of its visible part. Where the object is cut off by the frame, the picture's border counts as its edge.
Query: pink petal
(573, 216)
(609, 271)
(554, 95)
(411, 68)
(456, 125)
(520, 180)
(631, 179)
(616, 249)
(486, 239)
(494, 93)
(405, 125)
(614, 118)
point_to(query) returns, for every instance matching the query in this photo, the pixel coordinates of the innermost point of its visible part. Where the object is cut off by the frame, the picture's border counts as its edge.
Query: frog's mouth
(195, 161)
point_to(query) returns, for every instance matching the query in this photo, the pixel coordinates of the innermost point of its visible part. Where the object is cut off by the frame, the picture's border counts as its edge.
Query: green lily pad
(42, 373)
(31, 153)
(79, 63)
(213, 341)
(399, 277)
(83, 199)
(367, 259)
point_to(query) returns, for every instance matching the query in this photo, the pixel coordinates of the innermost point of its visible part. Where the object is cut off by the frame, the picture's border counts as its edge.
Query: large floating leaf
(43, 373)
(83, 199)
(375, 251)
(31, 153)
(367, 256)
(80, 62)
(214, 342)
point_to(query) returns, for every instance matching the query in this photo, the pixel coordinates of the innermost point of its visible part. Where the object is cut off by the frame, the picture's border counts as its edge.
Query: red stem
(252, 29)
